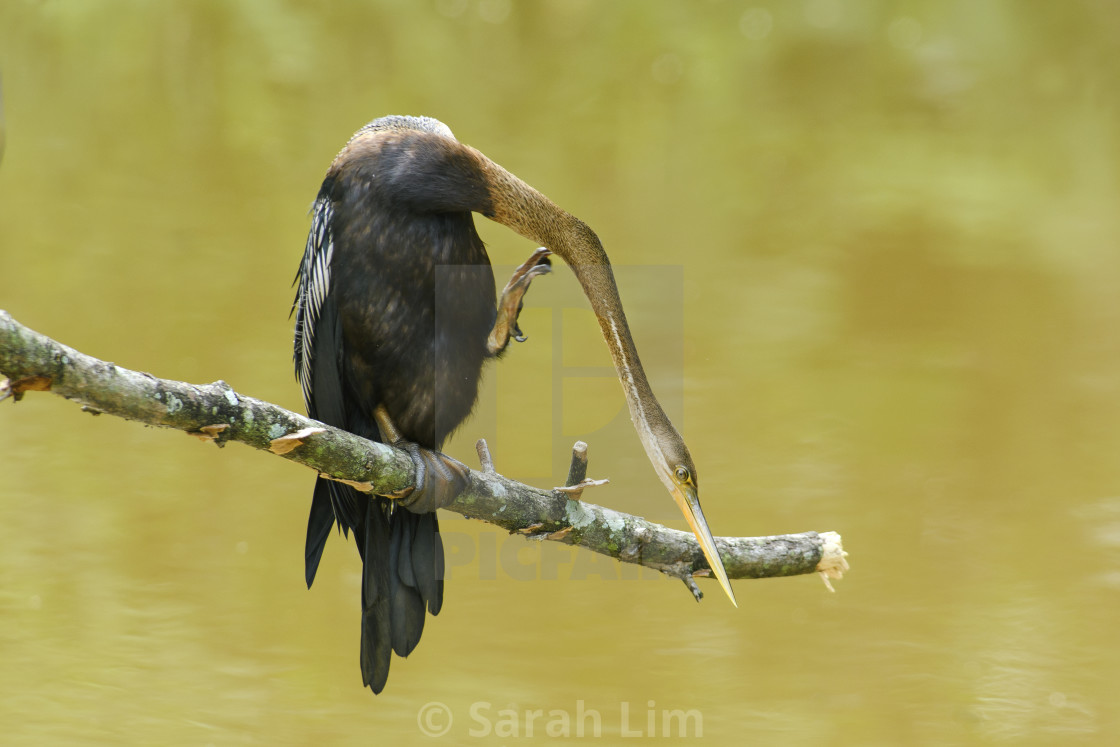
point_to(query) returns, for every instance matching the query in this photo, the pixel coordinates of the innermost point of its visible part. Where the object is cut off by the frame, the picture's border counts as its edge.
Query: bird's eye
(683, 475)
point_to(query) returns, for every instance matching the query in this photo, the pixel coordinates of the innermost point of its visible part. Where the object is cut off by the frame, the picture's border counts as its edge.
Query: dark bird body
(406, 305)
(396, 313)
(412, 288)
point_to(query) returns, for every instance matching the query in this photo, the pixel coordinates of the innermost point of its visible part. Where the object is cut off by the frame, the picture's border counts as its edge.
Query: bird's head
(674, 465)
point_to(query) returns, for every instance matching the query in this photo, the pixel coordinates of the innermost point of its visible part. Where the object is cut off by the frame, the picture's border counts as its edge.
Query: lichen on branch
(32, 362)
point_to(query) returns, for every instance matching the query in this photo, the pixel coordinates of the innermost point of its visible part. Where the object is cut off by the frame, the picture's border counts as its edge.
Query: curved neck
(528, 212)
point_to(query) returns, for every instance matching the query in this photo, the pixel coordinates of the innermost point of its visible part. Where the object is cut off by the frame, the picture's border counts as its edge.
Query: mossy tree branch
(214, 412)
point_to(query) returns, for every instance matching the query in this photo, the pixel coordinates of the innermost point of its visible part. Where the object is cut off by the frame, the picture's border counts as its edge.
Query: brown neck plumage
(518, 206)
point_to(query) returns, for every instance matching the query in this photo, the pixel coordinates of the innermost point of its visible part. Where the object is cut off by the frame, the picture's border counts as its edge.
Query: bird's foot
(509, 306)
(439, 479)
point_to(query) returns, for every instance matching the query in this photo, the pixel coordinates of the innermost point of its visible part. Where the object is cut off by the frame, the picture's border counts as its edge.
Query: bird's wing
(314, 283)
(318, 363)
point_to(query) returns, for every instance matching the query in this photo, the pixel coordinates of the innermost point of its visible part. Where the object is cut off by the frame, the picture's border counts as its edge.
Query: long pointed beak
(690, 506)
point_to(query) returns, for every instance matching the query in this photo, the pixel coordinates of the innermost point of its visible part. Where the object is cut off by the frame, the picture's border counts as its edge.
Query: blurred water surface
(870, 253)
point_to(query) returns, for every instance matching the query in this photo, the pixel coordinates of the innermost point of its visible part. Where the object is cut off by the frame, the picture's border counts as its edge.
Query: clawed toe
(537, 264)
(511, 302)
(439, 479)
